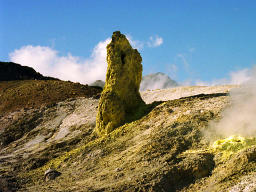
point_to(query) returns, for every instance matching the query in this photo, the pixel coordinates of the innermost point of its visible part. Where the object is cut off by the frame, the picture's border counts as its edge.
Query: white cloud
(155, 41)
(235, 78)
(172, 70)
(136, 44)
(47, 61)
(184, 61)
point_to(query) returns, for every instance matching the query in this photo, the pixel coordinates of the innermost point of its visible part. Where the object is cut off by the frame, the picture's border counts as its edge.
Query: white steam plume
(235, 78)
(240, 117)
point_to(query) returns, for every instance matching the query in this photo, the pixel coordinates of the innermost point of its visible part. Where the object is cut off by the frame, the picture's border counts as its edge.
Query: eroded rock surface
(120, 98)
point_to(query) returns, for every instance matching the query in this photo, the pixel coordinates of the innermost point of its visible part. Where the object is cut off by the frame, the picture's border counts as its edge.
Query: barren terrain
(165, 150)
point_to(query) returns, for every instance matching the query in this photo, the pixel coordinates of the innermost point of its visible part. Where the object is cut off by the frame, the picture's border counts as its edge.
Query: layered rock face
(120, 98)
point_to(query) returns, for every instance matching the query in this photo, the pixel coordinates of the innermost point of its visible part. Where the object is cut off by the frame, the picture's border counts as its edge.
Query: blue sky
(198, 40)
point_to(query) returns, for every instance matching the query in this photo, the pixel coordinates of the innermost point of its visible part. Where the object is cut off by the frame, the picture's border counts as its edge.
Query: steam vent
(120, 98)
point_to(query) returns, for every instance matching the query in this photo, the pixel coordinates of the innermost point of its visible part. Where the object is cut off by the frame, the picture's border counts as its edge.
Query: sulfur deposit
(120, 98)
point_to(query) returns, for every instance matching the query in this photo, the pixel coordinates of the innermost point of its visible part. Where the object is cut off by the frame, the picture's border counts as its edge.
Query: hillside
(10, 71)
(16, 95)
(22, 88)
(165, 150)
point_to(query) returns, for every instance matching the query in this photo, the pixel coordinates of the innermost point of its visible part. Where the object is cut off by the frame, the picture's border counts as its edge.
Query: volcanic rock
(120, 97)
(51, 174)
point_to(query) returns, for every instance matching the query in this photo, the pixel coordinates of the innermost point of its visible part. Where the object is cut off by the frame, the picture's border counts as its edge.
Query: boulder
(51, 174)
(120, 98)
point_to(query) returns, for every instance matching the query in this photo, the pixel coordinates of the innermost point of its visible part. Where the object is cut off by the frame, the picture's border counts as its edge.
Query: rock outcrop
(51, 174)
(120, 98)
(12, 71)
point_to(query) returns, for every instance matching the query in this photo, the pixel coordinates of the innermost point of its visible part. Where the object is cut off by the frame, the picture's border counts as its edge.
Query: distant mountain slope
(157, 81)
(12, 71)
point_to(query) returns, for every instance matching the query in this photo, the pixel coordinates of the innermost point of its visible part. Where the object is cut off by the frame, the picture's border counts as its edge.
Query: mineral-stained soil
(33, 94)
(164, 150)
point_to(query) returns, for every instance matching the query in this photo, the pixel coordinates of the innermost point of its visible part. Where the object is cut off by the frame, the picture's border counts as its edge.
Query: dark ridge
(203, 96)
(10, 71)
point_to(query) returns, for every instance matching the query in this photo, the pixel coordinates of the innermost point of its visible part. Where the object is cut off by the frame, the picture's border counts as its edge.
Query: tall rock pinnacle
(120, 98)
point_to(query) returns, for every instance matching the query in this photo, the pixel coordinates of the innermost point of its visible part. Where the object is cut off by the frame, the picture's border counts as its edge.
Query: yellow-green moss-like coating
(120, 98)
(232, 144)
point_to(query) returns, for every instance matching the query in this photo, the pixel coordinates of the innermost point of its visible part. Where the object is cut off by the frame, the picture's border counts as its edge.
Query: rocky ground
(164, 150)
